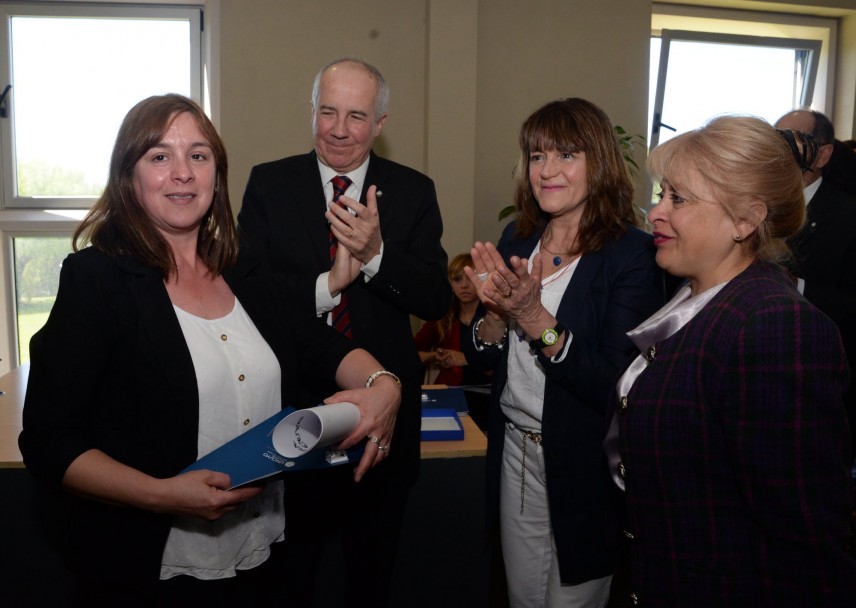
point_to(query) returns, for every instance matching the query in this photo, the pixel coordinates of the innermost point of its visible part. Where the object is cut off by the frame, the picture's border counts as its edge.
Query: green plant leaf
(506, 212)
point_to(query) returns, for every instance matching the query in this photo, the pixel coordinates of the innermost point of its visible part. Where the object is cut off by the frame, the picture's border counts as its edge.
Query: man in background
(825, 250)
(393, 267)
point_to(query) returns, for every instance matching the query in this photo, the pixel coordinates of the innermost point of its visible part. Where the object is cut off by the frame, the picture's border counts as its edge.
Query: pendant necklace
(557, 257)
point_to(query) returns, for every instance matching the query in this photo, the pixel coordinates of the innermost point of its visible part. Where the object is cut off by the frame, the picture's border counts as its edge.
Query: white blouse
(239, 382)
(664, 323)
(522, 399)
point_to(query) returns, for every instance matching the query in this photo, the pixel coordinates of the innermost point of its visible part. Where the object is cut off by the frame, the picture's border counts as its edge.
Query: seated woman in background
(158, 351)
(439, 342)
(729, 434)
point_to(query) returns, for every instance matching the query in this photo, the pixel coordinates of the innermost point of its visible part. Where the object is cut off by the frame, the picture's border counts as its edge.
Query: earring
(738, 238)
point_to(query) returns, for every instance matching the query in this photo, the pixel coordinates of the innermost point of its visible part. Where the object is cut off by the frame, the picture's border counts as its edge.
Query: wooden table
(14, 387)
(474, 443)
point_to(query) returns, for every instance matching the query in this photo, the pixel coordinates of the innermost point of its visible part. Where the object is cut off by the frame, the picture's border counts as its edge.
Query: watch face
(549, 337)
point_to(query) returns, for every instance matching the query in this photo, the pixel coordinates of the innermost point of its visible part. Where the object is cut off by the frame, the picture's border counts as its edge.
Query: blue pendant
(557, 260)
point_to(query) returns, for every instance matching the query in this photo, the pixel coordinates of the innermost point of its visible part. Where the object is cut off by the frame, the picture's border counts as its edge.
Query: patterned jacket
(734, 444)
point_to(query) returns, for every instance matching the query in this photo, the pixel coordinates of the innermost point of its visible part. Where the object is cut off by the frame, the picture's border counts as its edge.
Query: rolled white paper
(319, 426)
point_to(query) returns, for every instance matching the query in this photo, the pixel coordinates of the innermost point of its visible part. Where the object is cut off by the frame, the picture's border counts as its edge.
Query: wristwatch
(548, 338)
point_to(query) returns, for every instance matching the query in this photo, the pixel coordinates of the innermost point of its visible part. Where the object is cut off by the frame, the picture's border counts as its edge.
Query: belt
(535, 438)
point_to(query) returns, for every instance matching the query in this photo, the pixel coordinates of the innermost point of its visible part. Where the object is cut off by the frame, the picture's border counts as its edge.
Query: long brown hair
(575, 125)
(118, 225)
(456, 270)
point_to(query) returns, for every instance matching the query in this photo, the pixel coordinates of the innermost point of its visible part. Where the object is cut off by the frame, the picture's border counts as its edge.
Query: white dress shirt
(324, 302)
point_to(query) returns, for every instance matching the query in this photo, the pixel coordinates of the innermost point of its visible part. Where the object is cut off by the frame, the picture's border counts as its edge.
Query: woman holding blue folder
(158, 350)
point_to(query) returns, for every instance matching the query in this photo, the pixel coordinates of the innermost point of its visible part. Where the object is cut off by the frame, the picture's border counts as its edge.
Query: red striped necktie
(341, 316)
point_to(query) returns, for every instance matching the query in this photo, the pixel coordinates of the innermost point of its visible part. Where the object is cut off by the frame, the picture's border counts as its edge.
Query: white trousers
(528, 547)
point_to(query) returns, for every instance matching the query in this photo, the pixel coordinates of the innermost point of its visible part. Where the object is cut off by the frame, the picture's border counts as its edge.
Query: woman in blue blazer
(565, 283)
(729, 434)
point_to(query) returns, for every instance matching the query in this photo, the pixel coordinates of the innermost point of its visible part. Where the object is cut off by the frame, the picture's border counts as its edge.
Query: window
(72, 73)
(706, 62)
(38, 260)
(702, 75)
(68, 96)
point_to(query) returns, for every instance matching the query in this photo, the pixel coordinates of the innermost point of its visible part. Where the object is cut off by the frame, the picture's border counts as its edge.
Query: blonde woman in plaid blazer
(733, 442)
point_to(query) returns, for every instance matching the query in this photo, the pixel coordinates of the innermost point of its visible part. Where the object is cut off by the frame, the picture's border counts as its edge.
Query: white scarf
(659, 326)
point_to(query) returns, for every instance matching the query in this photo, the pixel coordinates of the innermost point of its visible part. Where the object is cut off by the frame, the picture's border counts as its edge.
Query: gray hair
(381, 96)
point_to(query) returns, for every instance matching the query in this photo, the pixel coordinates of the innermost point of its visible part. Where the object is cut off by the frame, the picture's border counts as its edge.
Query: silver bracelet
(379, 373)
(481, 342)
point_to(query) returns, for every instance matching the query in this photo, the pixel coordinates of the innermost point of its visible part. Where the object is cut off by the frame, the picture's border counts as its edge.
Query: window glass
(71, 95)
(706, 62)
(706, 79)
(38, 261)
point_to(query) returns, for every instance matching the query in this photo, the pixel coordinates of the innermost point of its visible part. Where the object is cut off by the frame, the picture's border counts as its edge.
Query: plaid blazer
(734, 443)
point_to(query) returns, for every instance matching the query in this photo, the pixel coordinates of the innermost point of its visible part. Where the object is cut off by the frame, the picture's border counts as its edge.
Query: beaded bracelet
(481, 342)
(382, 372)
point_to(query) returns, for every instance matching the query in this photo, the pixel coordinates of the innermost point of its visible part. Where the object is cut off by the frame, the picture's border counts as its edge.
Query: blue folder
(251, 456)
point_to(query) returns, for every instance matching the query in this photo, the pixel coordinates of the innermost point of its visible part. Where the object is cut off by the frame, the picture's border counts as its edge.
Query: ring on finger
(375, 440)
(383, 448)
(482, 276)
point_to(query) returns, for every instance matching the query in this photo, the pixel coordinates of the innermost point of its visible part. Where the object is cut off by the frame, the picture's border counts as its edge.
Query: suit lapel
(572, 304)
(159, 325)
(309, 204)
(376, 176)
(815, 212)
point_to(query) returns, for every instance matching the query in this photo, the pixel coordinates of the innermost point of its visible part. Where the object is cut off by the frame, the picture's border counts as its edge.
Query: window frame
(54, 226)
(9, 278)
(814, 48)
(746, 22)
(9, 198)
(57, 217)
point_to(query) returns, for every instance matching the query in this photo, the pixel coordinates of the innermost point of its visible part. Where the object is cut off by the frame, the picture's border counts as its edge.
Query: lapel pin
(379, 193)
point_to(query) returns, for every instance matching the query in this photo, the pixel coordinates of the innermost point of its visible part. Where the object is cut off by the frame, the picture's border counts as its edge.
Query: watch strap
(538, 343)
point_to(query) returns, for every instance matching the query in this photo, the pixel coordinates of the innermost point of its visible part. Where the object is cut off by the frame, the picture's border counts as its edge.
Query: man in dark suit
(384, 235)
(825, 250)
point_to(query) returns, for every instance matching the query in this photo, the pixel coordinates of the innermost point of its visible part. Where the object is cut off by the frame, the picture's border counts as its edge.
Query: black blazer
(282, 221)
(825, 252)
(111, 370)
(825, 256)
(611, 292)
